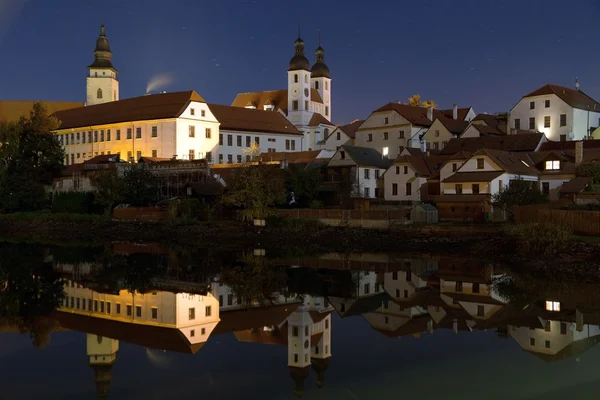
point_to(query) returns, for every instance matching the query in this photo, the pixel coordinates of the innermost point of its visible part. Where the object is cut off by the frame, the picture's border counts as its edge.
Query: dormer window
(342, 155)
(552, 165)
(192, 111)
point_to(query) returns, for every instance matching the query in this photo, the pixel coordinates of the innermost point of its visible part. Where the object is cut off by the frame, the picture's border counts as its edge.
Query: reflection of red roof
(156, 337)
(414, 325)
(317, 316)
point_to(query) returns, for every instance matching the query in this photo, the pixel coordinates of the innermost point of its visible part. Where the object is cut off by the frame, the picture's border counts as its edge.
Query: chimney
(578, 152)
(455, 112)
(430, 113)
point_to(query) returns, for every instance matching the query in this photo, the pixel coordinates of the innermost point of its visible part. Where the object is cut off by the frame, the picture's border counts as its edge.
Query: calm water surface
(129, 321)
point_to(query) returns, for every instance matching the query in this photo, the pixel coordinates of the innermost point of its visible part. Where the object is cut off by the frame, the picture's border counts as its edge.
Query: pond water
(129, 321)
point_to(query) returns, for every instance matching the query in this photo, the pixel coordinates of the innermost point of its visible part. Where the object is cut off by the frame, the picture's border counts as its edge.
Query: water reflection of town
(396, 296)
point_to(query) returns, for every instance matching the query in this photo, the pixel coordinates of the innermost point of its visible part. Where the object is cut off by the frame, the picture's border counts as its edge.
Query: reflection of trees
(29, 290)
(254, 280)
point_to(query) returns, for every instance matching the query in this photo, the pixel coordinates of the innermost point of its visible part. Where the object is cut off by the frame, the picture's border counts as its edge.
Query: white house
(306, 102)
(366, 167)
(395, 126)
(342, 135)
(407, 178)
(559, 112)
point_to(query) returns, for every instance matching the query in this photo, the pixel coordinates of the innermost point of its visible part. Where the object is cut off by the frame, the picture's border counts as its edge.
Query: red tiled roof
(415, 115)
(291, 157)
(455, 126)
(488, 130)
(574, 98)
(352, 127)
(424, 165)
(277, 98)
(489, 119)
(575, 185)
(570, 145)
(479, 176)
(519, 142)
(317, 119)
(247, 119)
(513, 163)
(150, 107)
(461, 113)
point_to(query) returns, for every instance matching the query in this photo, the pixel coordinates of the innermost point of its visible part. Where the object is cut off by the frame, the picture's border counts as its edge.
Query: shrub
(73, 202)
(316, 204)
(541, 239)
(295, 225)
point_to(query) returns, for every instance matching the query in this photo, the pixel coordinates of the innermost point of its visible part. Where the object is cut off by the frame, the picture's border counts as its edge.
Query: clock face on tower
(306, 92)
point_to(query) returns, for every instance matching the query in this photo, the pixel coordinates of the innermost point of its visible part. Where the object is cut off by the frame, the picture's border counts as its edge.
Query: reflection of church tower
(320, 366)
(299, 375)
(102, 353)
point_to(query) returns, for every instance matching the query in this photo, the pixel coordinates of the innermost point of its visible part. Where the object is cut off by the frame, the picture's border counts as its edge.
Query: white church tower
(320, 79)
(299, 101)
(102, 353)
(102, 83)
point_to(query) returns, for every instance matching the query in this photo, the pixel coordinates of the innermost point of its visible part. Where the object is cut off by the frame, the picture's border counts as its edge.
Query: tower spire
(319, 35)
(299, 31)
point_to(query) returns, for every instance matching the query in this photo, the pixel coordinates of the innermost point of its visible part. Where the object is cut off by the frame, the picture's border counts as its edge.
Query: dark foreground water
(130, 321)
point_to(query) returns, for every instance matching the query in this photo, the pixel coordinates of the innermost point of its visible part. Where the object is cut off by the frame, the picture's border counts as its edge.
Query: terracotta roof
(461, 155)
(455, 126)
(574, 98)
(145, 159)
(481, 176)
(570, 145)
(424, 165)
(366, 156)
(351, 128)
(519, 142)
(489, 119)
(461, 113)
(247, 119)
(317, 119)
(575, 185)
(513, 163)
(461, 198)
(253, 318)
(13, 110)
(278, 98)
(415, 115)
(473, 298)
(291, 157)
(150, 107)
(488, 130)
(155, 337)
(415, 325)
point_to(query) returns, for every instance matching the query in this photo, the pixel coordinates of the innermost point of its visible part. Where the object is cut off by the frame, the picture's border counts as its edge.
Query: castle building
(306, 102)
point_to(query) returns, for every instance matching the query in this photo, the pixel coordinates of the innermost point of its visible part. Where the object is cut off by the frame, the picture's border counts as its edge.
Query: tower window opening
(295, 78)
(99, 94)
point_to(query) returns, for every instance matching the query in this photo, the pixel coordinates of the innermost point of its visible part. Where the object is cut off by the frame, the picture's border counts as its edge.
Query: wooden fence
(581, 222)
(368, 219)
(140, 213)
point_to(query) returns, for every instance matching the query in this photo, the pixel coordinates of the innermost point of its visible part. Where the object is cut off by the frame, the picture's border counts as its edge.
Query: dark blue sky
(478, 52)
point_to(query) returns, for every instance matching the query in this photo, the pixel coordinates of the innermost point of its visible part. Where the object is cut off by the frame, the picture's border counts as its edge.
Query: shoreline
(483, 242)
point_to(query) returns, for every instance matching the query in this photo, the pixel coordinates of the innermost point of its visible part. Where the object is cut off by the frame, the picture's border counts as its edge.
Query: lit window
(385, 151)
(552, 306)
(553, 165)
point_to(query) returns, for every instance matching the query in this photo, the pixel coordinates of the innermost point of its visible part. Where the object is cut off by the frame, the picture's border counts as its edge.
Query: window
(436, 145)
(454, 167)
(370, 137)
(239, 140)
(295, 78)
(547, 344)
(239, 158)
(138, 311)
(295, 105)
(118, 308)
(548, 326)
(202, 113)
(553, 165)
(376, 174)
(192, 314)
(458, 188)
(517, 123)
(342, 155)
(118, 135)
(99, 93)
(192, 131)
(220, 158)
(229, 299)
(293, 143)
(154, 131)
(287, 144)
(102, 306)
(475, 188)
(397, 170)
(129, 310)
(459, 286)
(192, 332)
(128, 133)
(295, 331)
(552, 306)
(480, 311)
(229, 159)
(257, 140)
(208, 311)
(295, 358)
(138, 154)
(394, 189)
(154, 153)
(401, 135)
(367, 172)
(154, 313)
(385, 136)
(220, 139)
(208, 156)
(532, 123)
(208, 133)
(385, 151)
(203, 331)
(563, 138)
(306, 105)
(547, 103)
(95, 136)
(532, 105)
(408, 189)
(563, 119)
(138, 133)
(480, 163)
(500, 186)
(437, 133)
(129, 156)
(192, 111)
(563, 328)
(405, 169)
(547, 121)
(367, 192)
(367, 288)
(191, 154)
(386, 121)
(317, 85)
(531, 341)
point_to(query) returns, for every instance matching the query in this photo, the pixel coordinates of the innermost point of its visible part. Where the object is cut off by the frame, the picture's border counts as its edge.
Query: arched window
(295, 78)
(317, 85)
(326, 133)
(305, 78)
(99, 94)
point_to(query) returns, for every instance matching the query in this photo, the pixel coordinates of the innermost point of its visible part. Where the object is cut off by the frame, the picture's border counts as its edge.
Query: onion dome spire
(102, 53)
(299, 61)
(320, 69)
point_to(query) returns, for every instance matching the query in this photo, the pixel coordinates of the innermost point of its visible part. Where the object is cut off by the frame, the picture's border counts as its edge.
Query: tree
(253, 151)
(30, 158)
(109, 189)
(256, 190)
(415, 101)
(590, 170)
(519, 193)
(140, 186)
(304, 183)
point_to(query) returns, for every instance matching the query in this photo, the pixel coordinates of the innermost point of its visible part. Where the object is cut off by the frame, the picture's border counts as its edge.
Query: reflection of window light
(552, 306)
(385, 151)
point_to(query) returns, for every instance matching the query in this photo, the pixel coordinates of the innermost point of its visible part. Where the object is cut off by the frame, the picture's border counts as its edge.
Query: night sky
(481, 53)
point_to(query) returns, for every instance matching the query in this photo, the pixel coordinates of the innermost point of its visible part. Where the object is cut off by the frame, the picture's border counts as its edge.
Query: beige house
(342, 135)
(442, 131)
(413, 178)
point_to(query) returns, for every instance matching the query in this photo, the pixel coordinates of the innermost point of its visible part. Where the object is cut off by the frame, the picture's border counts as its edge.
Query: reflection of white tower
(102, 353)
(299, 334)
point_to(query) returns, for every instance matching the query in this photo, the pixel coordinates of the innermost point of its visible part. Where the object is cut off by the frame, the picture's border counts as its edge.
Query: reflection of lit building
(102, 353)
(367, 290)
